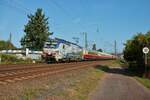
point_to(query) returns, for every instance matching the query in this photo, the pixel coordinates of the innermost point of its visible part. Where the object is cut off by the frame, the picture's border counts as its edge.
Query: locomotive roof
(64, 41)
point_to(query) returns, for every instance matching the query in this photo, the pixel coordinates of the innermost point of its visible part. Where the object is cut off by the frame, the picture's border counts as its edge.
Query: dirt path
(116, 86)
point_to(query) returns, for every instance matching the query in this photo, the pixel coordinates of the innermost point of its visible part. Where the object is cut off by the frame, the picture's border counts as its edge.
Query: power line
(71, 17)
(76, 39)
(6, 3)
(16, 6)
(23, 7)
(60, 7)
(66, 12)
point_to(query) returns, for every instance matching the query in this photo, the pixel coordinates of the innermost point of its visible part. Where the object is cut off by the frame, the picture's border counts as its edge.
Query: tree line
(4, 45)
(133, 51)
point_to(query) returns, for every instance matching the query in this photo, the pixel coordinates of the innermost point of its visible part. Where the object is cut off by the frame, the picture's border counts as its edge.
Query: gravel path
(116, 86)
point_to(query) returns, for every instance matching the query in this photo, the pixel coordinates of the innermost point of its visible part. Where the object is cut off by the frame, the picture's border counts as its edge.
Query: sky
(104, 20)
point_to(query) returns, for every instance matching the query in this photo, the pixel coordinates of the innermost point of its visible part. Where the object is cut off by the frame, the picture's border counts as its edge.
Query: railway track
(14, 73)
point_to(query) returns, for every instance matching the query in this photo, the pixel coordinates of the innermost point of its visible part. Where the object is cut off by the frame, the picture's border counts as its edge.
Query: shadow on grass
(115, 70)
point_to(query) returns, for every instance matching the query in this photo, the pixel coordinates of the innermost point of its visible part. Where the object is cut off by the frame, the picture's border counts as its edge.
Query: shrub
(8, 58)
(133, 52)
(13, 59)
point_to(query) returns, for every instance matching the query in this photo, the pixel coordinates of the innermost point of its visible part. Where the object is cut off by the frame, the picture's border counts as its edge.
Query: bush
(13, 59)
(8, 58)
(133, 52)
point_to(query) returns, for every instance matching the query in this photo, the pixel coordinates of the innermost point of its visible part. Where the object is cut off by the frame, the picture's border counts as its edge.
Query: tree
(100, 50)
(4, 45)
(94, 47)
(133, 52)
(37, 31)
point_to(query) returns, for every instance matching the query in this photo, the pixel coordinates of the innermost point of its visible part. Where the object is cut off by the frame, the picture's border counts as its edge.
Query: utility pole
(115, 48)
(85, 37)
(85, 40)
(10, 37)
(9, 41)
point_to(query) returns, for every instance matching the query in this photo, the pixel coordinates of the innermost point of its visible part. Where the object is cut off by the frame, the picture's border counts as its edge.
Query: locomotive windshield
(51, 44)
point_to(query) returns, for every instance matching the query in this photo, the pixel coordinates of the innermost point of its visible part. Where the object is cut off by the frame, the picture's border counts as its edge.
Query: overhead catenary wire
(62, 9)
(70, 17)
(22, 6)
(15, 6)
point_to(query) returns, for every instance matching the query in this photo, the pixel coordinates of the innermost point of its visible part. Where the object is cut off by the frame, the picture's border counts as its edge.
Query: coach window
(63, 46)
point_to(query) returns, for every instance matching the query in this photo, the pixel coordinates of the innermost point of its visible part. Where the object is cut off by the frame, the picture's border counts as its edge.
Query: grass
(30, 93)
(144, 81)
(78, 86)
(80, 89)
(114, 63)
(74, 85)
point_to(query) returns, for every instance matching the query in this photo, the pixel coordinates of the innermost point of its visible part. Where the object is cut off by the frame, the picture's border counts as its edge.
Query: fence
(23, 53)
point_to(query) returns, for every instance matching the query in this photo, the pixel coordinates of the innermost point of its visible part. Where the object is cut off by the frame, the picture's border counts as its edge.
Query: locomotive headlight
(49, 53)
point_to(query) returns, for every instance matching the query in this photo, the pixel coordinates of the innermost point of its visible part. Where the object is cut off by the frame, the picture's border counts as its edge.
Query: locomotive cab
(60, 50)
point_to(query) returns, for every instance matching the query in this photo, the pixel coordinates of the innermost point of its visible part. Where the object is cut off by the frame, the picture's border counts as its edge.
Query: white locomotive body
(61, 50)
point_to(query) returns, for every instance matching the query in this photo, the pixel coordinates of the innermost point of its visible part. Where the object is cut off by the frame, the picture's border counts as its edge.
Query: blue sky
(103, 20)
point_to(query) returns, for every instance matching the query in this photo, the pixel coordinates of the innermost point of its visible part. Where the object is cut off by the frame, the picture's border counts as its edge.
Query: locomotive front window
(51, 45)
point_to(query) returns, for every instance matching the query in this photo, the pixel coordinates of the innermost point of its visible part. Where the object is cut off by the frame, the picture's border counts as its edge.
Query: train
(60, 50)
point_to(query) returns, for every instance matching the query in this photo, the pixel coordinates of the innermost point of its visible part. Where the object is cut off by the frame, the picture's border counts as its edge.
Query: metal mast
(115, 48)
(85, 37)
